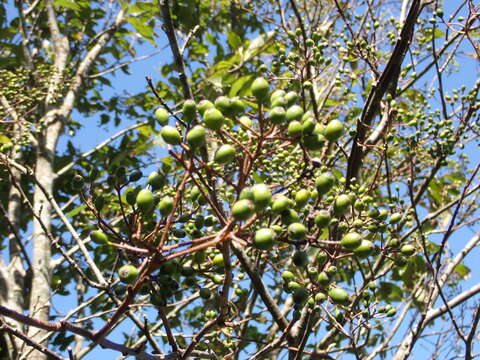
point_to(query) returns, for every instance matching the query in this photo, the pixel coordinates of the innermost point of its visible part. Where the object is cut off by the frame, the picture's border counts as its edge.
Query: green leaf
(434, 189)
(141, 27)
(462, 271)
(240, 84)
(72, 5)
(234, 40)
(76, 211)
(390, 291)
(4, 139)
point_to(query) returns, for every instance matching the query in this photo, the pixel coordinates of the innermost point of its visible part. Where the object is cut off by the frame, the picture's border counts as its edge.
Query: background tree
(319, 181)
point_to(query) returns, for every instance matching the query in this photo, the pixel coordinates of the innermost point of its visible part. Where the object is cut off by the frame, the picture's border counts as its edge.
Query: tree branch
(260, 287)
(389, 76)
(172, 39)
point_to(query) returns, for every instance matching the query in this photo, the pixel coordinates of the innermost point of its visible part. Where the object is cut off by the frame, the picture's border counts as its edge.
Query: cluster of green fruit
(281, 218)
(313, 295)
(283, 110)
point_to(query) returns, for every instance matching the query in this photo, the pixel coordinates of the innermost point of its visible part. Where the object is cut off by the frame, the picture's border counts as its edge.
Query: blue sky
(91, 134)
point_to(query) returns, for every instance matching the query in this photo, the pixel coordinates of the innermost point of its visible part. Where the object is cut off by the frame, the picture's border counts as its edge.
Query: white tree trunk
(40, 296)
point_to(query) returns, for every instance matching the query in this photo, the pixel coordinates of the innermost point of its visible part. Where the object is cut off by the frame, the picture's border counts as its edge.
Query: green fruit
(278, 102)
(400, 261)
(313, 141)
(322, 219)
(130, 196)
(218, 279)
(291, 97)
(287, 276)
(395, 218)
(171, 135)
(277, 115)
(301, 197)
(224, 104)
(300, 295)
(331, 270)
(407, 250)
(128, 274)
(135, 176)
(280, 203)
(334, 130)
(242, 209)
(338, 295)
(391, 312)
(169, 268)
(277, 228)
(237, 106)
(245, 121)
(373, 213)
(277, 94)
(383, 214)
(343, 226)
(320, 297)
(145, 200)
(165, 205)
(262, 196)
(196, 136)
(351, 240)
(308, 126)
(218, 260)
(307, 116)
(121, 175)
(293, 285)
(260, 89)
(294, 112)
(246, 193)
(204, 105)
(312, 272)
(78, 182)
(324, 182)
(199, 257)
(158, 300)
(205, 293)
(238, 292)
(340, 317)
(359, 205)
(213, 119)
(297, 231)
(342, 202)
(162, 116)
(321, 258)
(264, 239)
(320, 130)
(99, 202)
(294, 129)
(155, 180)
(99, 237)
(179, 233)
(189, 110)
(290, 216)
(323, 279)
(300, 258)
(225, 154)
(365, 249)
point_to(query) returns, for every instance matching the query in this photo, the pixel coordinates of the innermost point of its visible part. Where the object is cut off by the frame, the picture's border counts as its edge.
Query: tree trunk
(40, 296)
(12, 277)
